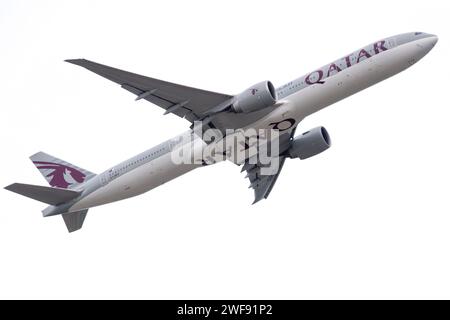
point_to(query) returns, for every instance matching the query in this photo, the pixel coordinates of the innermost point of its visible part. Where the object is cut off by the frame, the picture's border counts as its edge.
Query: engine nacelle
(255, 98)
(310, 143)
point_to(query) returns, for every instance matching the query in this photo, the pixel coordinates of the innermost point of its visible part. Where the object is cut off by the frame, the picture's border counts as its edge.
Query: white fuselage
(139, 174)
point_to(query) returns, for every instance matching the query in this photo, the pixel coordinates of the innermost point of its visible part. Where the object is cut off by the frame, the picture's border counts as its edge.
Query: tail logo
(60, 174)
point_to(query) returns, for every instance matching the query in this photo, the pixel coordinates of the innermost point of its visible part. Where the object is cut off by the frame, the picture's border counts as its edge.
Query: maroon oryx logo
(253, 91)
(57, 176)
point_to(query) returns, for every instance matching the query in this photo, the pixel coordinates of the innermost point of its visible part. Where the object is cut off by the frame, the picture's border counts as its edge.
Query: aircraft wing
(262, 184)
(185, 102)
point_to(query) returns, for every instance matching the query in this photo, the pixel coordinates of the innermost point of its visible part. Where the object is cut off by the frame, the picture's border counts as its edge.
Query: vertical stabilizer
(60, 173)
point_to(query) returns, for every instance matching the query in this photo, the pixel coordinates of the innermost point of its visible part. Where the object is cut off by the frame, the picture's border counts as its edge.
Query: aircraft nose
(427, 41)
(430, 41)
(424, 45)
(433, 40)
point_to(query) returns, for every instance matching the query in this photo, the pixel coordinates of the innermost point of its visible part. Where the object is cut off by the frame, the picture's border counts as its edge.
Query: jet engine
(310, 143)
(255, 98)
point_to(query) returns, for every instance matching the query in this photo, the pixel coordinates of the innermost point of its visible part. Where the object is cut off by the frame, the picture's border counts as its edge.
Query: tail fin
(52, 196)
(59, 173)
(74, 220)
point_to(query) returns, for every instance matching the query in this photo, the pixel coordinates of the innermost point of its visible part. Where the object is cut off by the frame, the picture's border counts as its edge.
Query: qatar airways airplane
(74, 190)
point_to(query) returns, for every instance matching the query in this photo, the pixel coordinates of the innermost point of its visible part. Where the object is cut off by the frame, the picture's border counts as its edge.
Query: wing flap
(263, 184)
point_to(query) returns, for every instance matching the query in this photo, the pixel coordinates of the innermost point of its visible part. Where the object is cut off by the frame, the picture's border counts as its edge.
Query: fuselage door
(106, 177)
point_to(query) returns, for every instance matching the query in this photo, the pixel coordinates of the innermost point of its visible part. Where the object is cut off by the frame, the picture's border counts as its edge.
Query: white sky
(368, 218)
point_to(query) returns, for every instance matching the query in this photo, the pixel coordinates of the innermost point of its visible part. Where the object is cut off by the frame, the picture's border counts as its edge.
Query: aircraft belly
(142, 179)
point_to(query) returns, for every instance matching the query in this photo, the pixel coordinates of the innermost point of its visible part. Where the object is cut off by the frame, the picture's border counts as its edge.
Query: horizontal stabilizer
(74, 220)
(49, 195)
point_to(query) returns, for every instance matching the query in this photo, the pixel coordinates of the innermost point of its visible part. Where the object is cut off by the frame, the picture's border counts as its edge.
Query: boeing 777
(74, 190)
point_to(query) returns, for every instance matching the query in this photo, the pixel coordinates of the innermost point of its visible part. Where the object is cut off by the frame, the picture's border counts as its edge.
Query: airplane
(73, 190)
